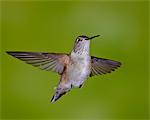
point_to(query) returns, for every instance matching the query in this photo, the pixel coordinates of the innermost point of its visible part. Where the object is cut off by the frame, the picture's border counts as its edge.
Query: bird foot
(80, 86)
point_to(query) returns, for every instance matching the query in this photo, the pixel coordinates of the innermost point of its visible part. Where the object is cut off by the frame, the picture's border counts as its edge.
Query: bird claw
(80, 86)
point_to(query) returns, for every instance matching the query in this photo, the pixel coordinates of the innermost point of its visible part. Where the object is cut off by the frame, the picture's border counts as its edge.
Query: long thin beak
(93, 37)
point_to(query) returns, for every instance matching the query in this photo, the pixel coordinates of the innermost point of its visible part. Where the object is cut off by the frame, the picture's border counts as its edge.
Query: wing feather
(101, 66)
(45, 61)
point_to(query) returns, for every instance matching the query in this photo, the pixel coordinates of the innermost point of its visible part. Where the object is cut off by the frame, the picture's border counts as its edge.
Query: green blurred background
(50, 26)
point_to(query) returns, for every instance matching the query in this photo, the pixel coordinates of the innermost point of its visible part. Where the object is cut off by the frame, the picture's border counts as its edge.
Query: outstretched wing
(45, 61)
(101, 66)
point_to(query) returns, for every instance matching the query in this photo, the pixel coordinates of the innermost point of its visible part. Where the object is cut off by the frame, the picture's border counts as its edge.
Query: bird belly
(78, 73)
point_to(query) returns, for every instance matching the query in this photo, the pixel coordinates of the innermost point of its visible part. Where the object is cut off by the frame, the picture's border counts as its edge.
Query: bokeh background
(52, 26)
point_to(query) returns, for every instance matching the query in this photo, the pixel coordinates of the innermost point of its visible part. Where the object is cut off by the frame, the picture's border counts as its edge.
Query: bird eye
(79, 39)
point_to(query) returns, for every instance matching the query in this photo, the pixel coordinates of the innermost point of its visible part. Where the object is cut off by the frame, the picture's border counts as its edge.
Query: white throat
(82, 49)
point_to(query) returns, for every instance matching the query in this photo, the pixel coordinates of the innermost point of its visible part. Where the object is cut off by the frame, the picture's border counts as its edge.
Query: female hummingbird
(74, 68)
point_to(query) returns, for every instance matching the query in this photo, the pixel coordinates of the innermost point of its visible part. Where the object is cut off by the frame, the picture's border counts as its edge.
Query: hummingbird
(74, 68)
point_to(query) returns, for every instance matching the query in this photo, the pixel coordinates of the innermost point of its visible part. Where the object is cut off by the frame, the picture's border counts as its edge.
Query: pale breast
(79, 71)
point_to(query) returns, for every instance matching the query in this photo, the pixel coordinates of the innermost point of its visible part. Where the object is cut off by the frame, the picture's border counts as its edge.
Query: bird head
(82, 44)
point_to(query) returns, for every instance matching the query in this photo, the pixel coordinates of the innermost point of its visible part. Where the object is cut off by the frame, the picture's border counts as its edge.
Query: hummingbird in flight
(74, 68)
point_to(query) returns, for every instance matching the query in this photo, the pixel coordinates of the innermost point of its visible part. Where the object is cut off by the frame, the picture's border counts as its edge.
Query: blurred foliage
(50, 26)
